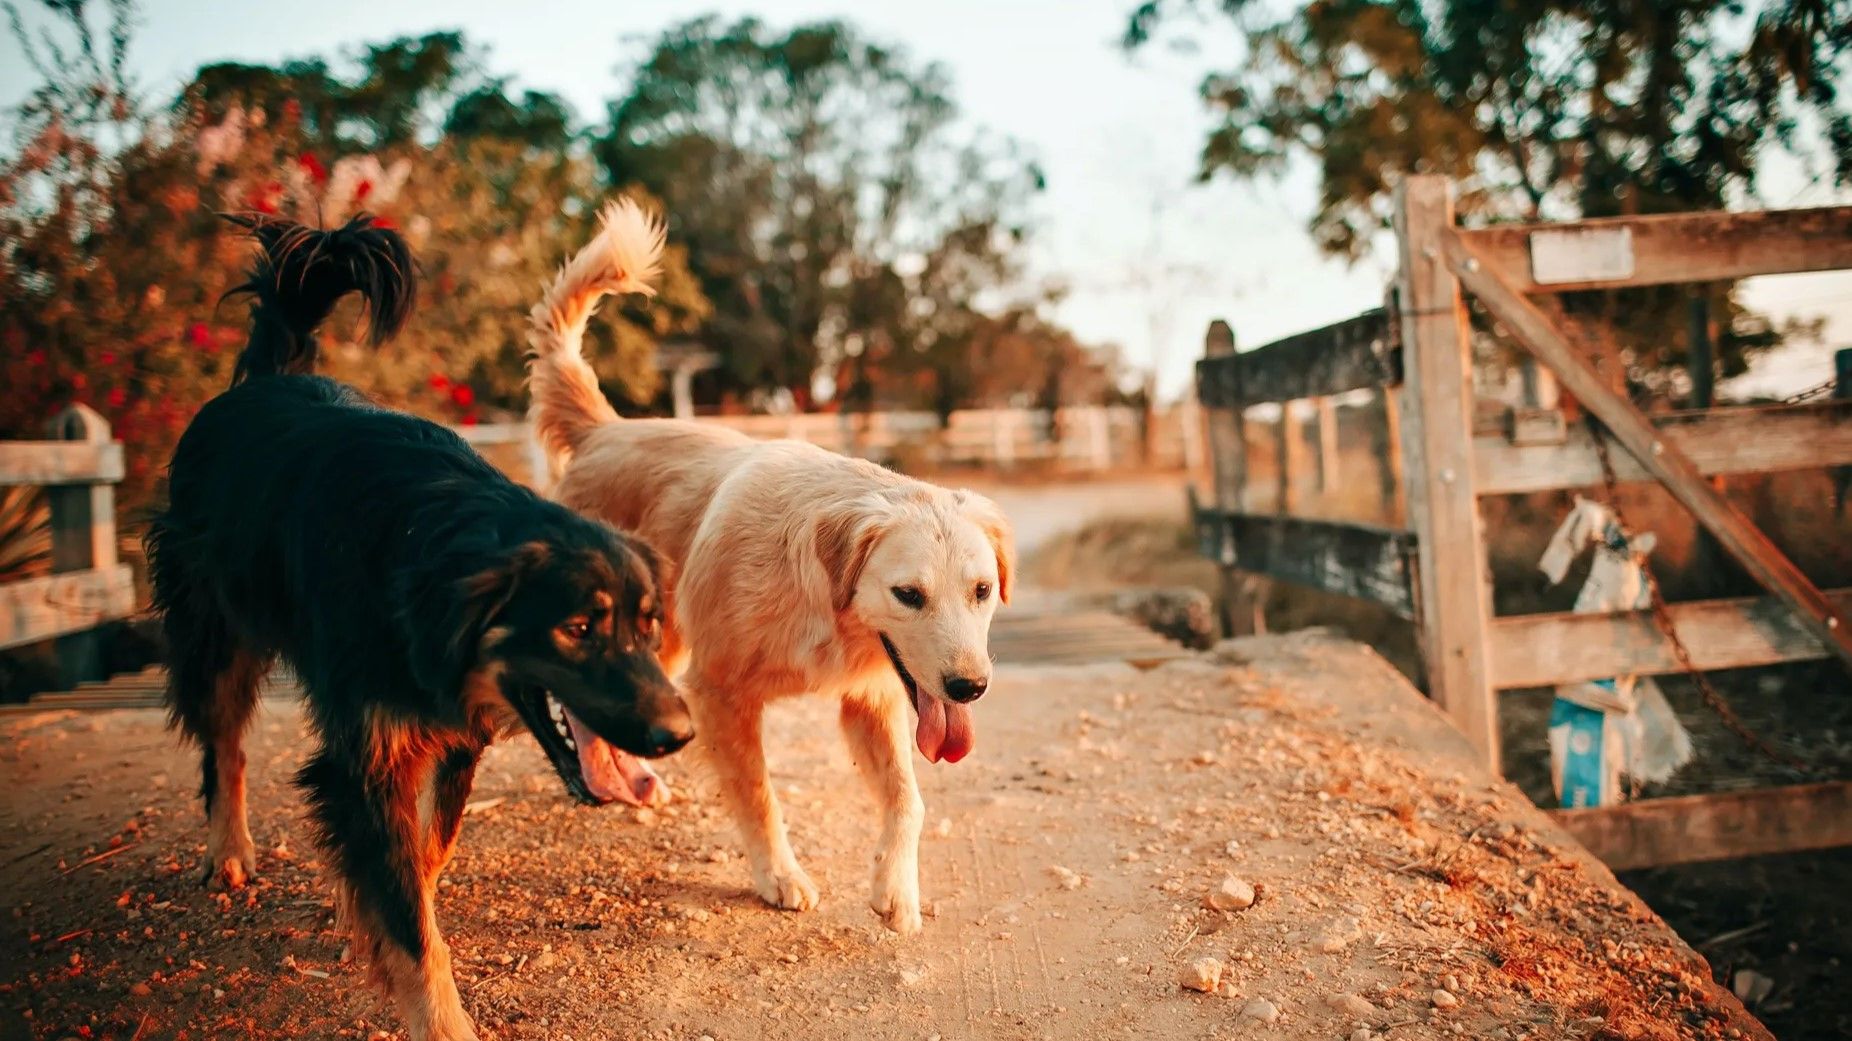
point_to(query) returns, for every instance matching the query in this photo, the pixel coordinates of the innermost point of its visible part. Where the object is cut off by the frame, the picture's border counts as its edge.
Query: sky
(1149, 255)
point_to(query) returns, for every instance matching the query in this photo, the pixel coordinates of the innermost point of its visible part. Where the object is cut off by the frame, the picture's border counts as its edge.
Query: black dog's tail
(300, 275)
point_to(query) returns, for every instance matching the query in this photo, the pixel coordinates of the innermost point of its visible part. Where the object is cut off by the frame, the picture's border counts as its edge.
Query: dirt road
(1399, 893)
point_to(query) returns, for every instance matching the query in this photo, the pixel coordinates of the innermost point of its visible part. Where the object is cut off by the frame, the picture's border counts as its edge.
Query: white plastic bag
(1602, 729)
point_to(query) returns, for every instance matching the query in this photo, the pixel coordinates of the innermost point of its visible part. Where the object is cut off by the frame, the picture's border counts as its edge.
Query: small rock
(912, 977)
(1065, 878)
(1361, 1034)
(1444, 999)
(141, 990)
(1201, 975)
(1338, 935)
(1354, 1005)
(544, 960)
(1233, 894)
(1261, 1010)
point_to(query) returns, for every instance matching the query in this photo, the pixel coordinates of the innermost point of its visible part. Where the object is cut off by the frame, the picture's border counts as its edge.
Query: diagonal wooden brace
(1657, 456)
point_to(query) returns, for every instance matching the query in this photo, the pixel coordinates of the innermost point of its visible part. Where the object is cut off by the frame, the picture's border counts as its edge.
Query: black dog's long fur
(398, 574)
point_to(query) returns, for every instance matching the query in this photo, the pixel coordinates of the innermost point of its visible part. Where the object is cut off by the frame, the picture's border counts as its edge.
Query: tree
(823, 185)
(112, 258)
(1538, 109)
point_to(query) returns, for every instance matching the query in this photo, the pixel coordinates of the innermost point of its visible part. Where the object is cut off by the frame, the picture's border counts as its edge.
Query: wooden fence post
(83, 536)
(1455, 604)
(1289, 460)
(1327, 445)
(1243, 596)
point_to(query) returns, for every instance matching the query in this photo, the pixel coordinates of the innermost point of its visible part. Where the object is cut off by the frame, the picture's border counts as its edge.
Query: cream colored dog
(793, 570)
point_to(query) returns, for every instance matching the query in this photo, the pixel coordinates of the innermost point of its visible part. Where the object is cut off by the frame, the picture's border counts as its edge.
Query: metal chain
(1662, 617)
(1811, 393)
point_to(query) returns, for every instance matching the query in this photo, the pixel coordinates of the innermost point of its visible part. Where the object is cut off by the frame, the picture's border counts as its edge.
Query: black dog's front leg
(456, 775)
(383, 845)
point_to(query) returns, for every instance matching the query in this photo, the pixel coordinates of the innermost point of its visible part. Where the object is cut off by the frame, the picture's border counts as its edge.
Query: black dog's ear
(446, 620)
(661, 569)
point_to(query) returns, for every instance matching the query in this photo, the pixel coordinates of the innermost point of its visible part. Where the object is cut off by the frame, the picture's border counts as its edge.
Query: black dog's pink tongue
(945, 730)
(610, 772)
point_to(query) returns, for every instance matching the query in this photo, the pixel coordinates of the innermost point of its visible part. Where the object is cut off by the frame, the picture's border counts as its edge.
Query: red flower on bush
(313, 167)
(469, 419)
(463, 395)
(79, 381)
(198, 334)
(440, 382)
(106, 358)
(383, 222)
(117, 397)
(35, 357)
(362, 190)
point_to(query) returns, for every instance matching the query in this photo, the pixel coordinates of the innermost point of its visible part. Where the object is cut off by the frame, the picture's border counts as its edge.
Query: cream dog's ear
(844, 537)
(996, 527)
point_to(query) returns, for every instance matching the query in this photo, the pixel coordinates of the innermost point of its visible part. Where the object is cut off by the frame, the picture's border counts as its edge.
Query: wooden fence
(87, 585)
(1075, 439)
(1435, 570)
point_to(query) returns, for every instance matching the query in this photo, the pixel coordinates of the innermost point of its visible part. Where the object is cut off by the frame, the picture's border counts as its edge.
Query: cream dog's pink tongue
(945, 730)
(610, 772)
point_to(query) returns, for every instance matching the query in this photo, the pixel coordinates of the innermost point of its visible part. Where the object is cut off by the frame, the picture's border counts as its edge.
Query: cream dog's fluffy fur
(794, 569)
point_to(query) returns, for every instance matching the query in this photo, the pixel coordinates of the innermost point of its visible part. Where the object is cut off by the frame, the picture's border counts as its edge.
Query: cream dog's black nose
(966, 688)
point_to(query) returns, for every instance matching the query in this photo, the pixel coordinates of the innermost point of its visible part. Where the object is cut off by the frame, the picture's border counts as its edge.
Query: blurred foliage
(112, 259)
(843, 222)
(1538, 110)
(837, 213)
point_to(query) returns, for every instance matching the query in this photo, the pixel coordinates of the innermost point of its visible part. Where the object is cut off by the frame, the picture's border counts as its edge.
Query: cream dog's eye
(982, 592)
(910, 595)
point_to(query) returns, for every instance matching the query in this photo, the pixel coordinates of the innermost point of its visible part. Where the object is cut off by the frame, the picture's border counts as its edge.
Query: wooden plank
(1721, 826)
(1541, 650)
(83, 538)
(1355, 560)
(1244, 597)
(1288, 461)
(56, 605)
(1349, 355)
(60, 462)
(1456, 603)
(1658, 456)
(1394, 487)
(1327, 438)
(1679, 247)
(1717, 441)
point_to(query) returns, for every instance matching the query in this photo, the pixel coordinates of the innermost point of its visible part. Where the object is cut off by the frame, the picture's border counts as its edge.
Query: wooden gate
(1469, 652)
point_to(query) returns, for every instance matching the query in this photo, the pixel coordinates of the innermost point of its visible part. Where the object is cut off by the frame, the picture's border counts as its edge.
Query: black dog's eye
(575, 629)
(910, 595)
(982, 592)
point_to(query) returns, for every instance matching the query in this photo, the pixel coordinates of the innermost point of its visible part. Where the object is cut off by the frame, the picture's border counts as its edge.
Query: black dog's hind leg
(212, 689)
(379, 821)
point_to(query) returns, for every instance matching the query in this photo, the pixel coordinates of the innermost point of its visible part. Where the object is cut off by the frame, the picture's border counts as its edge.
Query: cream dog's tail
(625, 257)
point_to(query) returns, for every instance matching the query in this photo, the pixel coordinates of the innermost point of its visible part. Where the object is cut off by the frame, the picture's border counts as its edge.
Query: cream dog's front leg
(875, 726)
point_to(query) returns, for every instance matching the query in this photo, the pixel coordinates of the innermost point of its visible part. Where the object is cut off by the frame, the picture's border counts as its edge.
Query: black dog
(427, 604)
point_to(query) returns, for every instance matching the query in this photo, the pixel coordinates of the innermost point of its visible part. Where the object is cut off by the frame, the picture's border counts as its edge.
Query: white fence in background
(1082, 438)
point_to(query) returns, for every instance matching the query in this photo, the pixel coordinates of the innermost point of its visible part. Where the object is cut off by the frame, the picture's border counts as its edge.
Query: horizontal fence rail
(1355, 560)
(1539, 650)
(1718, 441)
(1615, 252)
(1354, 354)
